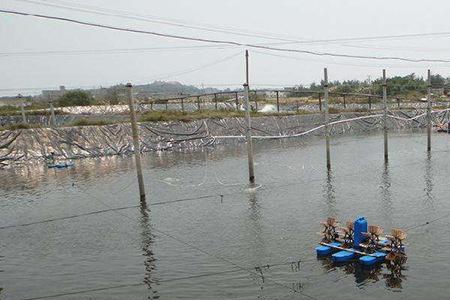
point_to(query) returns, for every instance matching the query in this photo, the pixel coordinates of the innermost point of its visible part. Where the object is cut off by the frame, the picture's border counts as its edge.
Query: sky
(38, 54)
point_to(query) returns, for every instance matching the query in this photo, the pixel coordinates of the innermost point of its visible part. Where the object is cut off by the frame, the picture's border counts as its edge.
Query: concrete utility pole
(327, 130)
(137, 152)
(251, 172)
(22, 109)
(385, 129)
(429, 113)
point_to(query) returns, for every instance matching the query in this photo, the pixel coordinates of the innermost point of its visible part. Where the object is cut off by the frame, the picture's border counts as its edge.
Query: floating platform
(376, 257)
(343, 256)
(324, 250)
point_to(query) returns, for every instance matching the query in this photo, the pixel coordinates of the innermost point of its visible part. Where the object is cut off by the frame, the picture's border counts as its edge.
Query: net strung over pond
(94, 141)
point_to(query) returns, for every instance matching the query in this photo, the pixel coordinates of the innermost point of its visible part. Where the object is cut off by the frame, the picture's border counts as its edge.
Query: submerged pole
(248, 134)
(429, 113)
(137, 152)
(327, 130)
(385, 129)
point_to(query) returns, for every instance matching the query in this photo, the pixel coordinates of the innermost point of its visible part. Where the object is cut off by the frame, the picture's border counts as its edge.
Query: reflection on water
(256, 228)
(329, 194)
(386, 196)
(429, 197)
(147, 247)
(392, 274)
(1, 271)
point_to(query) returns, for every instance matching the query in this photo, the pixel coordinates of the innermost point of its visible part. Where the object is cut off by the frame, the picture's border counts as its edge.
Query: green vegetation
(19, 126)
(76, 98)
(158, 116)
(9, 110)
(410, 86)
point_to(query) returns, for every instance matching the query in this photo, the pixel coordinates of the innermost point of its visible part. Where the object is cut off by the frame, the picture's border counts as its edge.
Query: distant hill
(171, 88)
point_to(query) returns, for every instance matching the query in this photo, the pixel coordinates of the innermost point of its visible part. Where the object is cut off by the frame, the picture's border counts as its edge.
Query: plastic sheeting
(94, 141)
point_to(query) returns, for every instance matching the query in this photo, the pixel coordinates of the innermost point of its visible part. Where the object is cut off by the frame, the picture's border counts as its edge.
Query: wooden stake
(22, 110)
(215, 101)
(52, 115)
(320, 102)
(137, 152)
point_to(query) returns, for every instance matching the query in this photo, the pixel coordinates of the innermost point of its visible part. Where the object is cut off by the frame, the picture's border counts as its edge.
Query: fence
(268, 101)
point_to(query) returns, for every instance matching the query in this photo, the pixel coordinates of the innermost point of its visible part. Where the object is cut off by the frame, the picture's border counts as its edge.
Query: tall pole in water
(248, 134)
(429, 113)
(327, 129)
(385, 129)
(137, 152)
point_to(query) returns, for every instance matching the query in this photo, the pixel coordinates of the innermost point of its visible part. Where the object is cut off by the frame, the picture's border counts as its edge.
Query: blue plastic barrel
(359, 227)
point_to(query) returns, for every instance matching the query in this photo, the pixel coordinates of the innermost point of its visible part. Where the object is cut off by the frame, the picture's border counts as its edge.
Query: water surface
(207, 236)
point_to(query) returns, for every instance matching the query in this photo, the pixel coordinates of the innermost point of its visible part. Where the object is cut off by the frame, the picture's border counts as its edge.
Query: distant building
(54, 94)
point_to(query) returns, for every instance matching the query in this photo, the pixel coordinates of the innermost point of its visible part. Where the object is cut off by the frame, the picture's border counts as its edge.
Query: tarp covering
(93, 141)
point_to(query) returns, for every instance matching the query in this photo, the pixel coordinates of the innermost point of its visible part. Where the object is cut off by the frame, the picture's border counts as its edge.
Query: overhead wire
(108, 51)
(330, 62)
(155, 78)
(215, 28)
(151, 19)
(218, 41)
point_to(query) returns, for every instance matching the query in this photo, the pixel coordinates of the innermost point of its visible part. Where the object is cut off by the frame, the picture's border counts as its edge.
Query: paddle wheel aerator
(366, 243)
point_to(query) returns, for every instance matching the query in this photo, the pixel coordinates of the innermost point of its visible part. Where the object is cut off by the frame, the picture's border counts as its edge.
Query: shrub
(76, 98)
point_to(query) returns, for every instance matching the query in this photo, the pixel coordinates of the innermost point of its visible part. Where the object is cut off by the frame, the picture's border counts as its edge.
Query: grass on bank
(164, 116)
(19, 126)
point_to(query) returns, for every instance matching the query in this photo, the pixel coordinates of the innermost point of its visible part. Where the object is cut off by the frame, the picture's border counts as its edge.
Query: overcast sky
(215, 66)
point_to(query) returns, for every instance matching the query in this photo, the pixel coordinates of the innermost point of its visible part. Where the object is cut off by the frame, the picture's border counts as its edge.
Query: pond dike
(26, 145)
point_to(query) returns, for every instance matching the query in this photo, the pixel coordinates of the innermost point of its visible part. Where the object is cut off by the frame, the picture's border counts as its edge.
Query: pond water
(208, 236)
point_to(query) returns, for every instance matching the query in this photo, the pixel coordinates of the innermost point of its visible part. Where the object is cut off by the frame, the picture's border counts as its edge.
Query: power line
(146, 18)
(108, 51)
(224, 42)
(191, 70)
(209, 27)
(333, 62)
(155, 78)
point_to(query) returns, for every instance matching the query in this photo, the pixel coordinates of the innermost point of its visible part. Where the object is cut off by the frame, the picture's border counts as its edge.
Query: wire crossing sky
(233, 43)
(135, 43)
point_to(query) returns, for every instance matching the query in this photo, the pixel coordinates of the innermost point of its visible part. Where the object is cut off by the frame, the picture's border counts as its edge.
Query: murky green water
(196, 244)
